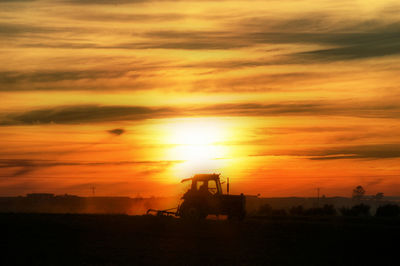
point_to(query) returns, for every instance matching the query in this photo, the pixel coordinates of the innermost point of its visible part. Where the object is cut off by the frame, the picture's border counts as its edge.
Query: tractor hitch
(167, 212)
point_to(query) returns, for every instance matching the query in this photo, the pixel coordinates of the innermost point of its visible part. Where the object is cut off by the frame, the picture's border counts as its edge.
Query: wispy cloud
(25, 166)
(86, 114)
(15, 29)
(117, 131)
(376, 151)
(104, 2)
(80, 114)
(352, 39)
(12, 77)
(131, 17)
(297, 129)
(372, 151)
(259, 82)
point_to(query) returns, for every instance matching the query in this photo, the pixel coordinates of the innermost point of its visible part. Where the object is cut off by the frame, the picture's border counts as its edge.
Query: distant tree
(379, 196)
(388, 210)
(358, 192)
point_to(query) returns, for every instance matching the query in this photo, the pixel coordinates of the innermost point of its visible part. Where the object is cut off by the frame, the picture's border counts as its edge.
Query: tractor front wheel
(237, 216)
(192, 213)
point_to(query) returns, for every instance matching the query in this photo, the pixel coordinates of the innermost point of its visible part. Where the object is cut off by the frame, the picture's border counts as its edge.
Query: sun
(198, 143)
(196, 139)
(197, 133)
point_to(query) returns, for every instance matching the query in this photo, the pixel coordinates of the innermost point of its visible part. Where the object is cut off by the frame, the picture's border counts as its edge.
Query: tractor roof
(202, 177)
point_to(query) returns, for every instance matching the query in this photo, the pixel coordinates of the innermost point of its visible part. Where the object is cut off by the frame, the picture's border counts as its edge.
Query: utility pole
(318, 196)
(93, 188)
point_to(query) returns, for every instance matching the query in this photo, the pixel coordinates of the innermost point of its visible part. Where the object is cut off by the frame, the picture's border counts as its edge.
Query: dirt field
(51, 239)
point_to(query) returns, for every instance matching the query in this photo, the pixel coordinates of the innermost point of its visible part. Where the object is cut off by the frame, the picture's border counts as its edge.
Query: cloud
(79, 74)
(374, 151)
(11, 1)
(119, 2)
(361, 51)
(260, 82)
(117, 131)
(388, 109)
(77, 114)
(104, 2)
(27, 165)
(257, 109)
(12, 77)
(131, 17)
(368, 38)
(12, 29)
(292, 130)
(353, 39)
(335, 38)
(85, 114)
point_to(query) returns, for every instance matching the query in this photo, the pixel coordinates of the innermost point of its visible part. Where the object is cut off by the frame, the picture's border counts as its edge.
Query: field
(57, 239)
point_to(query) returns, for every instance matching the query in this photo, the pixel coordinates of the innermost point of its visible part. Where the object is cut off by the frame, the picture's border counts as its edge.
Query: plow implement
(167, 212)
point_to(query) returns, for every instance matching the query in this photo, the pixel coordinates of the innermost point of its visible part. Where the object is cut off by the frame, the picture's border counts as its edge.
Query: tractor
(205, 197)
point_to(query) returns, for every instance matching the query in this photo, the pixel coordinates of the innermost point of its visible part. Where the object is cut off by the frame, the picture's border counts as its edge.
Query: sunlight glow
(197, 142)
(196, 132)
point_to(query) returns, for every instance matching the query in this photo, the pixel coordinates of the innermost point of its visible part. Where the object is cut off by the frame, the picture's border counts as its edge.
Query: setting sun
(196, 131)
(197, 142)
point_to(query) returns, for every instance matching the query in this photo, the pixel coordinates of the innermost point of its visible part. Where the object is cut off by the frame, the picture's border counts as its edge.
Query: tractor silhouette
(205, 197)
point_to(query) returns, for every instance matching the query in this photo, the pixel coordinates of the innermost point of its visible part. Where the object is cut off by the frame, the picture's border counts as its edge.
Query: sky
(131, 96)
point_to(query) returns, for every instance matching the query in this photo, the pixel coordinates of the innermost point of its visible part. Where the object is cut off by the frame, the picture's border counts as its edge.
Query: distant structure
(93, 188)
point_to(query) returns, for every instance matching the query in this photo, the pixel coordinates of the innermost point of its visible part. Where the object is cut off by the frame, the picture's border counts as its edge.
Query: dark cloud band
(99, 114)
(373, 152)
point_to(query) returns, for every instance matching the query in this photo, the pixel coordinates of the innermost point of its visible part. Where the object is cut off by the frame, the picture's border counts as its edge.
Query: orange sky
(282, 97)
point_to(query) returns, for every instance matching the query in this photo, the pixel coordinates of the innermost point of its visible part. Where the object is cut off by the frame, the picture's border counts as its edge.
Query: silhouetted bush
(326, 210)
(329, 209)
(388, 210)
(356, 210)
(297, 210)
(279, 212)
(345, 211)
(265, 209)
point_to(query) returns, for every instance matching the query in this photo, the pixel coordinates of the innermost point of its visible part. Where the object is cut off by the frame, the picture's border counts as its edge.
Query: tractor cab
(204, 184)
